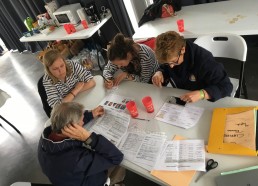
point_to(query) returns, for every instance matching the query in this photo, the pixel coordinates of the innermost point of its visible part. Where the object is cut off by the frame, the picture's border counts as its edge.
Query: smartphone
(176, 100)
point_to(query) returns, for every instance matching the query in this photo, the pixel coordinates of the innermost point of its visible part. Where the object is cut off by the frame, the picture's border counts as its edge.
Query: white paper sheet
(113, 125)
(142, 149)
(182, 116)
(115, 102)
(178, 155)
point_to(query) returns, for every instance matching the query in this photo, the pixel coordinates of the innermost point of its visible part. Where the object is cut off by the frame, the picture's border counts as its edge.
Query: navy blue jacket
(199, 70)
(69, 163)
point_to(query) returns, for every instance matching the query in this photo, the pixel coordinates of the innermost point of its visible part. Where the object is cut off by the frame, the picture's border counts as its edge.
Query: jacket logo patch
(192, 78)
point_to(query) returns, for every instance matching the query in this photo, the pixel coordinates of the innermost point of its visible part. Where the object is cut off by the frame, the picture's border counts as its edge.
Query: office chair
(43, 96)
(3, 97)
(228, 46)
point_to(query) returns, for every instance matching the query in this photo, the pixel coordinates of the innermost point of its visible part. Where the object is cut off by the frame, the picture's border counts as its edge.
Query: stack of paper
(113, 125)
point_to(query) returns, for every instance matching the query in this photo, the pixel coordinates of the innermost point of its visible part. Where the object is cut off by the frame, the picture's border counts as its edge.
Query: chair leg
(10, 124)
(244, 89)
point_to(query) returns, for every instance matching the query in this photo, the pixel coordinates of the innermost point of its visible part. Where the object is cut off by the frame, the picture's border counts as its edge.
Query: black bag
(155, 10)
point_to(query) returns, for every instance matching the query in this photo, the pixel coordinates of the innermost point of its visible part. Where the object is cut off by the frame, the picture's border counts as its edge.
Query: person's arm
(89, 115)
(84, 76)
(53, 96)
(149, 65)
(218, 82)
(103, 156)
(161, 76)
(109, 70)
(108, 73)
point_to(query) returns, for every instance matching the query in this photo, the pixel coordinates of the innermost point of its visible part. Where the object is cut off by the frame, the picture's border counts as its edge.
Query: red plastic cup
(180, 25)
(147, 102)
(84, 24)
(67, 28)
(132, 108)
(72, 28)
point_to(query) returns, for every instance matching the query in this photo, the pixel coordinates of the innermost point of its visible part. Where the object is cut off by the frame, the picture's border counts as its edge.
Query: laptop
(246, 178)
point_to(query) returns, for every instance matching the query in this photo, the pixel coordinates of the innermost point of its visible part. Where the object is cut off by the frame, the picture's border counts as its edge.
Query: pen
(142, 119)
(104, 78)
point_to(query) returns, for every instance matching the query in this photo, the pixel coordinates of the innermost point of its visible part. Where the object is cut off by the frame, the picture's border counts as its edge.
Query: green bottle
(28, 23)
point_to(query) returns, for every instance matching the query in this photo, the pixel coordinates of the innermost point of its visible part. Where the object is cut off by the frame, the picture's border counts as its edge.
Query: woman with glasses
(188, 66)
(136, 61)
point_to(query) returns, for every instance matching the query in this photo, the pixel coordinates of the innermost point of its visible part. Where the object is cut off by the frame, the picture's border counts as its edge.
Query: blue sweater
(199, 70)
(69, 163)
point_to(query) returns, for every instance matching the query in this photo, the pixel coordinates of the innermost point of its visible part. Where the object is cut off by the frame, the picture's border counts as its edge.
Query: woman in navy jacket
(188, 66)
(63, 156)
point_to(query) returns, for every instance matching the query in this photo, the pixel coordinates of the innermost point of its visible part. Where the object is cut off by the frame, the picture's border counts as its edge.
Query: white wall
(135, 9)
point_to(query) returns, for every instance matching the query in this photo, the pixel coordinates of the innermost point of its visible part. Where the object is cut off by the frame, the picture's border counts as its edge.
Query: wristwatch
(88, 141)
(127, 76)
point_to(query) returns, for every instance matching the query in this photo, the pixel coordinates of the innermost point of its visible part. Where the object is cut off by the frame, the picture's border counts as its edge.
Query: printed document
(113, 125)
(115, 102)
(182, 116)
(141, 148)
(179, 155)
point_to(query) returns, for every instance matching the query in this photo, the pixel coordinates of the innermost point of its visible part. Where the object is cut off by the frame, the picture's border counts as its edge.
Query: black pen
(142, 119)
(104, 78)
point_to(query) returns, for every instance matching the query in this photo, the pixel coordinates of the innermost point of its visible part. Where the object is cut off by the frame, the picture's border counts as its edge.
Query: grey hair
(64, 114)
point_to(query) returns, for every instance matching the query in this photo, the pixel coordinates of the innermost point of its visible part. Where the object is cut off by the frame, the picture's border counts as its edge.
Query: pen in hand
(105, 78)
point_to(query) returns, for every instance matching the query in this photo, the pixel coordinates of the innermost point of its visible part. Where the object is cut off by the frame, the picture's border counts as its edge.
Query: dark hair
(120, 46)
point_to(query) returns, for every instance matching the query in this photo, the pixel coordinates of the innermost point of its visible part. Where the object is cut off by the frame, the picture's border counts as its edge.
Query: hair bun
(119, 39)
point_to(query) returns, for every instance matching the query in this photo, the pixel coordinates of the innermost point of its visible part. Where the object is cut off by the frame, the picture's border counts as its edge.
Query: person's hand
(99, 111)
(120, 77)
(109, 84)
(191, 97)
(78, 87)
(76, 131)
(158, 79)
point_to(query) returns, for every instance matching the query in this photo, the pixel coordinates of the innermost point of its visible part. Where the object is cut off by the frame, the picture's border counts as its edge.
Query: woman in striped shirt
(63, 80)
(137, 62)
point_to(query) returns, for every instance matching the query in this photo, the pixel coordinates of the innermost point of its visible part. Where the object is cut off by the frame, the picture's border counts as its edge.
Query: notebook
(246, 178)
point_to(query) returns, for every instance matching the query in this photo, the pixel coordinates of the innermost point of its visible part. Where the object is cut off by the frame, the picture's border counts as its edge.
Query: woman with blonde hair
(64, 79)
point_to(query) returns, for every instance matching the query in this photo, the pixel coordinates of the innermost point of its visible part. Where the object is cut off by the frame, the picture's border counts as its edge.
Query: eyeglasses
(176, 62)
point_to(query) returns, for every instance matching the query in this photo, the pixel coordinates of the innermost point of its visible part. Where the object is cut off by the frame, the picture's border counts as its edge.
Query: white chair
(3, 97)
(228, 46)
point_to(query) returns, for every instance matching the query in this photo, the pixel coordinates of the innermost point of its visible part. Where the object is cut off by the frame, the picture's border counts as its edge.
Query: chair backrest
(150, 42)
(227, 46)
(224, 45)
(3, 97)
(43, 96)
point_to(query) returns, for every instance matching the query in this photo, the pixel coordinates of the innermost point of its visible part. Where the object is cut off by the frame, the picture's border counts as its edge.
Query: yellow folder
(175, 178)
(217, 130)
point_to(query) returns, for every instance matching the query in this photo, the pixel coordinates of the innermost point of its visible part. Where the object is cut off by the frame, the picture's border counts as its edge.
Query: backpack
(154, 10)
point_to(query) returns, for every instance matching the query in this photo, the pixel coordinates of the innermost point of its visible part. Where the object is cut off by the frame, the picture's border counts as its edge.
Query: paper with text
(178, 155)
(141, 148)
(113, 125)
(240, 129)
(115, 102)
(182, 116)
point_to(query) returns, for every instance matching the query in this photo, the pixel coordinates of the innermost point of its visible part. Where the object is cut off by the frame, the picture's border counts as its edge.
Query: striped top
(56, 92)
(147, 63)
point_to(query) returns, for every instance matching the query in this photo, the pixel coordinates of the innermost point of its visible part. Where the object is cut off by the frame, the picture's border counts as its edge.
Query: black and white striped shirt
(148, 64)
(56, 92)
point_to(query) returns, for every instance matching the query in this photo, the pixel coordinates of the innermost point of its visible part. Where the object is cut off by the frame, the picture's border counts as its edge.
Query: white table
(235, 16)
(93, 97)
(60, 33)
